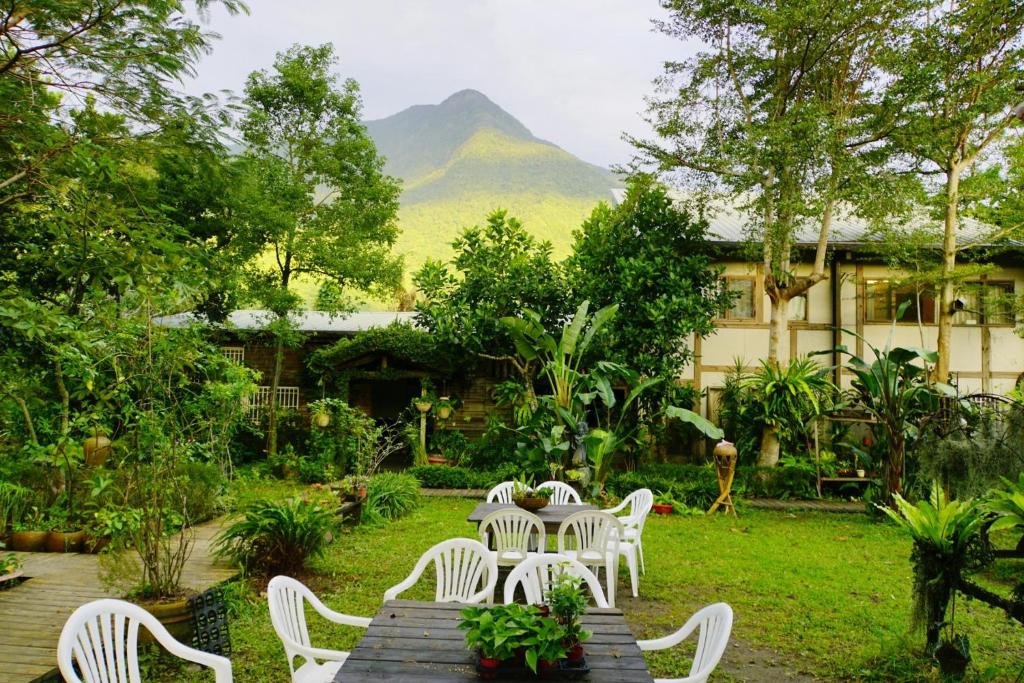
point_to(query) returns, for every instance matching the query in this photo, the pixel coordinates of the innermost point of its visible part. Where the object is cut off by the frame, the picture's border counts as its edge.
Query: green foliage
(947, 543)
(450, 443)
(276, 537)
(347, 444)
(390, 495)
(445, 477)
(1008, 503)
(650, 259)
(398, 340)
(498, 632)
(497, 271)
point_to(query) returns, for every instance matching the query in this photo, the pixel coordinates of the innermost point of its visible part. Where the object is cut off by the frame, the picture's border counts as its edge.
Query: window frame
(728, 315)
(891, 304)
(1010, 288)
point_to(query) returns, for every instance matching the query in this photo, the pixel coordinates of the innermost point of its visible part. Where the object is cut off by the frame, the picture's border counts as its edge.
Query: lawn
(827, 595)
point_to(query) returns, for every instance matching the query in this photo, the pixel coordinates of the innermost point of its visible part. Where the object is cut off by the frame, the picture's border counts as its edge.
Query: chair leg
(640, 549)
(631, 563)
(611, 571)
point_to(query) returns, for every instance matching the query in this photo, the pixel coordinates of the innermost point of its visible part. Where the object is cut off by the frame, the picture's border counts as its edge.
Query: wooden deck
(33, 612)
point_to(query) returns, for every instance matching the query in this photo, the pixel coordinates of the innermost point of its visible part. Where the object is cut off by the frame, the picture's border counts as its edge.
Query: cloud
(573, 71)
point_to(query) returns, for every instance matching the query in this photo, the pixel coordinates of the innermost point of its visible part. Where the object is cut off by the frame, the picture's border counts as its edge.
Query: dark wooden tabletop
(551, 515)
(419, 641)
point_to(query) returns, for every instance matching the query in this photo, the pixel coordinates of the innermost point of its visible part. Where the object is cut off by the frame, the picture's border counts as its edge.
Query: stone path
(33, 612)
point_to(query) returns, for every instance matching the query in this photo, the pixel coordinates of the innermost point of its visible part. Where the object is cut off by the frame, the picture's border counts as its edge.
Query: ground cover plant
(825, 594)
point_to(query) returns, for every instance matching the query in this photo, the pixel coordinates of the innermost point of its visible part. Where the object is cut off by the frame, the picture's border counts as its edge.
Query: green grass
(828, 594)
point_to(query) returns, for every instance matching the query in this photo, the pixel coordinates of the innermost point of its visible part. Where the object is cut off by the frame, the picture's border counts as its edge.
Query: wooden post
(725, 468)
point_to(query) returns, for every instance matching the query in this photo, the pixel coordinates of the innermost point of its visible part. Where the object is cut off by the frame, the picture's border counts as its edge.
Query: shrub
(347, 443)
(390, 495)
(276, 537)
(444, 477)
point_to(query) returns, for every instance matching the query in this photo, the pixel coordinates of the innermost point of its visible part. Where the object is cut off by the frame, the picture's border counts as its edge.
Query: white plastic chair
(640, 503)
(287, 599)
(537, 573)
(592, 537)
(502, 493)
(466, 572)
(561, 493)
(101, 637)
(516, 535)
(715, 622)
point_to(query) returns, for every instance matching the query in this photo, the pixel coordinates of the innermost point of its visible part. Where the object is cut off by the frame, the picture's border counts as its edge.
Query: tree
(313, 192)
(54, 53)
(651, 259)
(498, 271)
(775, 116)
(957, 79)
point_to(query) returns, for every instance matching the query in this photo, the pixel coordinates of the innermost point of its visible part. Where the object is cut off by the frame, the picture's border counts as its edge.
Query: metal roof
(728, 224)
(305, 321)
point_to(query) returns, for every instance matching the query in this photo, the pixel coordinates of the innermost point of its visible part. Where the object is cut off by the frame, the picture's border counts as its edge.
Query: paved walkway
(33, 612)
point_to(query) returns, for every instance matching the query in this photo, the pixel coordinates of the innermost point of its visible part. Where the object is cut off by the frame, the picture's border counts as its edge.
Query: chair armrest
(337, 617)
(393, 592)
(314, 653)
(221, 665)
(618, 508)
(670, 640)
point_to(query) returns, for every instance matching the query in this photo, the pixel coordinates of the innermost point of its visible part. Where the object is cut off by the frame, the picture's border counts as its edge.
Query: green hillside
(463, 158)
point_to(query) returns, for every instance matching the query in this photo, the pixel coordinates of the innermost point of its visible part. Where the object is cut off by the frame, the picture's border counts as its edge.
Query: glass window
(970, 294)
(998, 304)
(743, 305)
(877, 306)
(798, 308)
(915, 297)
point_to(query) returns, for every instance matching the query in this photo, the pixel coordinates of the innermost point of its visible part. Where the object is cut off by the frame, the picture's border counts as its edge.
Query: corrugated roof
(306, 321)
(728, 224)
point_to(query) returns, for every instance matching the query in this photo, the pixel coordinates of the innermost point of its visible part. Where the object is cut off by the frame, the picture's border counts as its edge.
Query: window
(985, 303)
(883, 300)
(235, 353)
(743, 307)
(287, 397)
(798, 308)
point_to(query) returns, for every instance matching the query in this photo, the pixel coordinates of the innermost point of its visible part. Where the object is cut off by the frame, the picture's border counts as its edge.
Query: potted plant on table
(524, 495)
(494, 633)
(568, 601)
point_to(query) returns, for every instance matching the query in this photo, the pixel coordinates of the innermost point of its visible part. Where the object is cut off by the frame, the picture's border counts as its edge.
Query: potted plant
(529, 498)
(443, 407)
(953, 655)
(322, 418)
(494, 633)
(567, 601)
(29, 531)
(664, 503)
(66, 533)
(108, 522)
(544, 645)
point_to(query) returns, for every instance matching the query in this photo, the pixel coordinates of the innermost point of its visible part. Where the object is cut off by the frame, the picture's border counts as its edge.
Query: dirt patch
(750, 664)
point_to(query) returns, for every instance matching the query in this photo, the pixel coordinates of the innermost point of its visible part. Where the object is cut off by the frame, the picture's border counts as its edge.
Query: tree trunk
(894, 469)
(275, 381)
(769, 456)
(941, 370)
(778, 331)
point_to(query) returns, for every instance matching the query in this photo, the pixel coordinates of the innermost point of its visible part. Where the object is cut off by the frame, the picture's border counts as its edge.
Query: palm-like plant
(786, 397)
(945, 534)
(1008, 503)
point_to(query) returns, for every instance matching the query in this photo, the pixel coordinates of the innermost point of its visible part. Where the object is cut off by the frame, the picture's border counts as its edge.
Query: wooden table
(551, 515)
(410, 640)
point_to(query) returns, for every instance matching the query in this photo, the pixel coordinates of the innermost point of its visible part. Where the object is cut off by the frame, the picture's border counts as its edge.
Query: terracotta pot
(96, 450)
(437, 460)
(65, 541)
(361, 493)
(29, 541)
(547, 668)
(175, 615)
(575, 653)
(530, 503)
(663, 508)
(488, 667)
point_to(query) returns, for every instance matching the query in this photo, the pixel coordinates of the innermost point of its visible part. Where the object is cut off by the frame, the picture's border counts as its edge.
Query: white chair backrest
(466, 572)
(591, 532)
(286, 599)
(502, 493)
(102, 638)
(514, 532)
(640, 503)
(536, 574)
(715, 624)
(561, 493)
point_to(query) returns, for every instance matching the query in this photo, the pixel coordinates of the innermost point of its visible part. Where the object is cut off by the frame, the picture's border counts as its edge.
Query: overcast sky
(573, 71)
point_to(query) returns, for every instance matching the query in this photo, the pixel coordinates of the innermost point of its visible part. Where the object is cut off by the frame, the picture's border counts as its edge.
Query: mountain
(465, 157)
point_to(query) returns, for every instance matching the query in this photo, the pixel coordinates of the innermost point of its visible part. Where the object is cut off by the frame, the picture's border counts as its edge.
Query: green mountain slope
(463, 158)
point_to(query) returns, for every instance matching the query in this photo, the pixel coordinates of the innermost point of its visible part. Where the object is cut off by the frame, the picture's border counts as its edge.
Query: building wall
(987, 358)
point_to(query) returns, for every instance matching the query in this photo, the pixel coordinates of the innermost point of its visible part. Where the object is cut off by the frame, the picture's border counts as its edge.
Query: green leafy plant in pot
(495, 633)
(567, 601)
